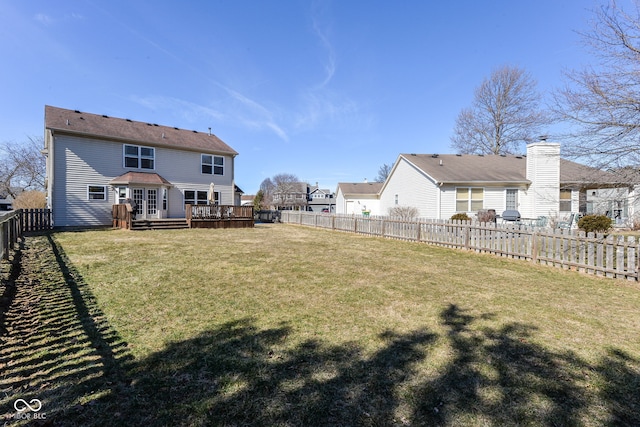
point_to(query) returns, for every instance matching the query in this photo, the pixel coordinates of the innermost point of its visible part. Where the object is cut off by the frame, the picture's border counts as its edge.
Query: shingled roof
(469, 168)
(362, 188)
(455, 168)
(75, 122)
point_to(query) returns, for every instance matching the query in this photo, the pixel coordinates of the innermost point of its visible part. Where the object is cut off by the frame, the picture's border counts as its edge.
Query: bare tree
(601, 103)
(404, 213)
(23, 167)
(383, 172)
(267, 188)
(504, 115)
(289, 192)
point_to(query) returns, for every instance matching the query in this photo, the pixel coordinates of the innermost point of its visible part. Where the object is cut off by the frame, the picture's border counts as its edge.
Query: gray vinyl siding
(79, 162)
(77, 165)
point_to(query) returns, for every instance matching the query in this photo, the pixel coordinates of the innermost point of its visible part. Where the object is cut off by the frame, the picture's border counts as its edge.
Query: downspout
(439, 204)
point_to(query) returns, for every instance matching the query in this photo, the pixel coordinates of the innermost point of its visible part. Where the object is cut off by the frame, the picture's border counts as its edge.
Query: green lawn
(286, 325)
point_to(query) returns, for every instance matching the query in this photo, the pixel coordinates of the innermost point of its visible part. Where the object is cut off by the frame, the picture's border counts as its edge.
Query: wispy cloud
(242, 112)
(190, 111)
(323, 102)
(43, 19)
(322, 31)
(258, 115)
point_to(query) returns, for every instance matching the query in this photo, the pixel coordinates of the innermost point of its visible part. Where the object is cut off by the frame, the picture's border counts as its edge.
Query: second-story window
(139, 157)
(212, 165)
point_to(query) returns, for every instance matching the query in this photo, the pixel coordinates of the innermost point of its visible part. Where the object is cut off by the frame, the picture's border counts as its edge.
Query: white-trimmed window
(469, 199)
(139, 157)
(212, 165)
(96, 192)
(121, 194)
(195, 197)
(565, 201)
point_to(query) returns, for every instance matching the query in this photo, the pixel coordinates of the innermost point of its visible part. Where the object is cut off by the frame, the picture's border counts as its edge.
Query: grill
(511, 215)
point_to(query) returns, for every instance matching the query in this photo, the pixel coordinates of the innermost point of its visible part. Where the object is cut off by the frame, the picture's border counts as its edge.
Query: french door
(146, 200)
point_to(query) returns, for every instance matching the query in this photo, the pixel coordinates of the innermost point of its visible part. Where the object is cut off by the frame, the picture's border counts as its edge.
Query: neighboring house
(237, 196)
(358, 197)
(291, 196)
(247, 199)
(95, 161)
(321, 199)
(6, 202)
(538, 184)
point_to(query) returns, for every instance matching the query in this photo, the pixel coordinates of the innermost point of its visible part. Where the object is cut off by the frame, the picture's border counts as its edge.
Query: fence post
(467, 234)
(534, 247)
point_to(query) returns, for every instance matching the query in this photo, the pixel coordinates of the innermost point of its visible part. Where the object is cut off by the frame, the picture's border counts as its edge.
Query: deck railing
(599, 254)
(218, 212)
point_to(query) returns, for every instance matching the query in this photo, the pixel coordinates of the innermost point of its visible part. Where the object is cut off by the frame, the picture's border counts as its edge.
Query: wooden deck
(197, 216)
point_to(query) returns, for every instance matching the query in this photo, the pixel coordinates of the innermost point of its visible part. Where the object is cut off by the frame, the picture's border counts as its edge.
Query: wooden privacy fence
(599, 254)
(15, 223)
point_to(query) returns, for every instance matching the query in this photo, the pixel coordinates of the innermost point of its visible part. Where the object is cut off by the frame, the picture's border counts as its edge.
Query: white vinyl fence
(570, 249)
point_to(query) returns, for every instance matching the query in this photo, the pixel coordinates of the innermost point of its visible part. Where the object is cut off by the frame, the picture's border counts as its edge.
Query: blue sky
(326, 90)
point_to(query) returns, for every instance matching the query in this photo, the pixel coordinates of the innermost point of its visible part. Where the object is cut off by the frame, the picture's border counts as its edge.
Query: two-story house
(321, 199)
(291, 196)
(95, 161)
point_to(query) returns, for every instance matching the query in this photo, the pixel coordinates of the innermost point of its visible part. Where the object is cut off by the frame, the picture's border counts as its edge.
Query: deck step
(159, 224)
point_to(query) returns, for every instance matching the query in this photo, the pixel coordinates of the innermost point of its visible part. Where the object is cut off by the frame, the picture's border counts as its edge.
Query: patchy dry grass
(284, 325)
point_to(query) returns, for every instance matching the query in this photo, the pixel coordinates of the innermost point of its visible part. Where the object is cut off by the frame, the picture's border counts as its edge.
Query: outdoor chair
(568, 223)
(541, 221)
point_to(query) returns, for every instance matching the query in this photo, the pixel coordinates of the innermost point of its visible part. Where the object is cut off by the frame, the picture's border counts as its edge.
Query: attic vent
(435, 156)
(176, 128)
(155, 124)
(503, 155)
(105, 116)
(149, 124)
(77, 111)
(481, 155)
(413, 154)
(518, 157)
(128, 120)
(459, 155)
(195, 131)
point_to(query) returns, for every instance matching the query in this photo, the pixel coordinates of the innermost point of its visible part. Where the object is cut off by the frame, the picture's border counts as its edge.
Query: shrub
(30, 200)
(460, 217)
(594, 223)
(486, 215)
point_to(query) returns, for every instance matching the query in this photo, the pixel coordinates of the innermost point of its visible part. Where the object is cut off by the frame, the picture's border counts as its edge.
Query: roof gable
(99, 126)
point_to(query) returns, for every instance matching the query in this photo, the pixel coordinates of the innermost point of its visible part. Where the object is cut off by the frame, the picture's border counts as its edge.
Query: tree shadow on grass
(240, 374)
(236, 375)
(501, 377)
